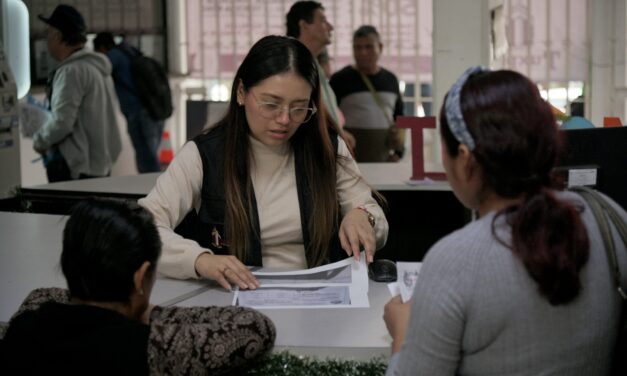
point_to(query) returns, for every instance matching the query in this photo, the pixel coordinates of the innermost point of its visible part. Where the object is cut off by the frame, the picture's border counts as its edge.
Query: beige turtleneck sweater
(274, 179)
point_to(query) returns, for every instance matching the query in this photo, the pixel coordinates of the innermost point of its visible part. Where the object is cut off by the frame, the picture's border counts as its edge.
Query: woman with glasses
(271, 184)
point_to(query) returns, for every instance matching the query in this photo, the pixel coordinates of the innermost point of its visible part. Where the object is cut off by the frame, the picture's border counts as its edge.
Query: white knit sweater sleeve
(353, 191)
(176, 193)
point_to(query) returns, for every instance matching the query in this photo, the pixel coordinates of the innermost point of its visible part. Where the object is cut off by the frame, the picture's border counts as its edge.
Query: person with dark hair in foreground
(526, 288)
(271, 184)
(104, 323)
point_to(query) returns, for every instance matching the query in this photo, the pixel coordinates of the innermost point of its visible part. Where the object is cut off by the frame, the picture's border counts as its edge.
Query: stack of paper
(342, 284)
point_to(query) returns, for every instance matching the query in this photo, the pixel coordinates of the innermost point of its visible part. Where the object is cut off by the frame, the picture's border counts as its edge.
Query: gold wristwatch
(370, 216)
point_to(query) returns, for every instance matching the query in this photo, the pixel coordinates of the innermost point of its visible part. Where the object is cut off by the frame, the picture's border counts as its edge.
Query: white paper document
(295, 296)
(32, 117)
(395, 288)
(425, 181)
(407, 276)
(582, 176)
(341, 284)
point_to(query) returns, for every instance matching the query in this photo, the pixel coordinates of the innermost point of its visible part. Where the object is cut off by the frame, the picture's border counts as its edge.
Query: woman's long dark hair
(270, 56)
(517, 145)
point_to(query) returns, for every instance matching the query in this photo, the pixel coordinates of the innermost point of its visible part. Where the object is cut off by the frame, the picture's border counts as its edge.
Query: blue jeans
(145, 134)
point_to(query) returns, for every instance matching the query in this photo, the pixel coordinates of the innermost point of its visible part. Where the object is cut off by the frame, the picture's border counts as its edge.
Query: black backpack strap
(126, 51)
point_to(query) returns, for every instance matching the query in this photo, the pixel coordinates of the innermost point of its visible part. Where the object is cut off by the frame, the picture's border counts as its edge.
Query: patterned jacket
(185, 340)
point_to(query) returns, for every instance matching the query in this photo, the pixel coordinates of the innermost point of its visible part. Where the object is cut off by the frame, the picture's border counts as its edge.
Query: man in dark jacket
(145, 131)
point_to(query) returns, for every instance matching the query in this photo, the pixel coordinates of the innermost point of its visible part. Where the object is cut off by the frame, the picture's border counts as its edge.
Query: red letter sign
(416, 125)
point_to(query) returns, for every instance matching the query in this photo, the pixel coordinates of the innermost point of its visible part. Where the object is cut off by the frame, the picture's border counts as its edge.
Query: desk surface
(382, 176)
(29, 258)
(131, 184)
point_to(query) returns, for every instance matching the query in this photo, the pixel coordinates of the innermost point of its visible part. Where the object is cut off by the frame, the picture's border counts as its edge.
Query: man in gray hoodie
(82, 139)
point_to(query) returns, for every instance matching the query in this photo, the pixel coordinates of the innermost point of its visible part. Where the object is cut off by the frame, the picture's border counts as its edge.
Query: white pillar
(176, 12)
(461, 38)
(177, 36)
(619, 105)
(606, 94)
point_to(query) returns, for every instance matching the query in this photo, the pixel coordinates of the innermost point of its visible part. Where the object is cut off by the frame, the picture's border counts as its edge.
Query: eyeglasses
(271, 111)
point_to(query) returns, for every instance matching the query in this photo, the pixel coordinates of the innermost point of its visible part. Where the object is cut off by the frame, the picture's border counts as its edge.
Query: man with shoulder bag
(370, 99)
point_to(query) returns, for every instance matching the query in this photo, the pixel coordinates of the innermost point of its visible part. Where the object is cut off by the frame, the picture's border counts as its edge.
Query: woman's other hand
(357, 232)
(396, 317)
(225, 270)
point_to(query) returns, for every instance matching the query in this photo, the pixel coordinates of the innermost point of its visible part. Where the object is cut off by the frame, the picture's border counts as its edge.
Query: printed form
(343, 284)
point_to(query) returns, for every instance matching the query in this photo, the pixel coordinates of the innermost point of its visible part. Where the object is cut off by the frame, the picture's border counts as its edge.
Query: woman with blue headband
(526, 289)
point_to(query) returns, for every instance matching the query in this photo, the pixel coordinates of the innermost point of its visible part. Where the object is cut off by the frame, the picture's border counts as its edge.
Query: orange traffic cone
(165, 153)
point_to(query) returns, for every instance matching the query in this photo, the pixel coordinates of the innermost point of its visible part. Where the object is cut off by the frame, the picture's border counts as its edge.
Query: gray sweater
(476, 311)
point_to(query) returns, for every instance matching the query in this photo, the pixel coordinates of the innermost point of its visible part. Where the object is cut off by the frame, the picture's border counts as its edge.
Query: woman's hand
(355, 232)
(225, 270)
(396, 317)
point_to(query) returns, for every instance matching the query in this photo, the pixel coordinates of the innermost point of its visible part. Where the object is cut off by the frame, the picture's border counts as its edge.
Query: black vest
(209, 221)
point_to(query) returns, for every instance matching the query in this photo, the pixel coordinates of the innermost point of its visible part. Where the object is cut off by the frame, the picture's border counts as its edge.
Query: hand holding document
(33, 116)
(341, 284)
(407, 277)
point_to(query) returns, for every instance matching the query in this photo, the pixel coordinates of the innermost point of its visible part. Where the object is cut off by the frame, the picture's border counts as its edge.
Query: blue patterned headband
(453, 108)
